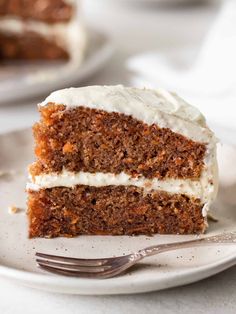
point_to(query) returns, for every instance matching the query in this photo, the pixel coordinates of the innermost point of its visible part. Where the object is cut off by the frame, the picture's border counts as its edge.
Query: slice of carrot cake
(114, 160)
(40, 30)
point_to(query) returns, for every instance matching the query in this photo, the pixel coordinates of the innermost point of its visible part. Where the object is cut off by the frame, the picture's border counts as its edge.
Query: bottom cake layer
(30, 46)
(111, 210)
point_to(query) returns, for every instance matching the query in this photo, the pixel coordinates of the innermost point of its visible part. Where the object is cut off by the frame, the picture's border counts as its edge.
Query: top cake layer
(150, 106)
(49, 11)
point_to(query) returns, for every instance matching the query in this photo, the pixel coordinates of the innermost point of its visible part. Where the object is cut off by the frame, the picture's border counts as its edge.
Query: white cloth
(210, 83)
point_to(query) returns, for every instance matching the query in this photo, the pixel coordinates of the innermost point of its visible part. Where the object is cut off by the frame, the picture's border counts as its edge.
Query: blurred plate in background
(23, 80)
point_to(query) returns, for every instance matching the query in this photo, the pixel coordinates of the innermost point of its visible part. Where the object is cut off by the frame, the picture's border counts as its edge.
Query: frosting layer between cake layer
(199, 189)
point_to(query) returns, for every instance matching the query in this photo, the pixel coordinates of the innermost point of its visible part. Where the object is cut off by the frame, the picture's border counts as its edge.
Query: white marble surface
(130, 29)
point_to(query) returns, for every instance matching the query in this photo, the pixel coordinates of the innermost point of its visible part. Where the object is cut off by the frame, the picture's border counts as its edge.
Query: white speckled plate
(21, 80)
(158, 272)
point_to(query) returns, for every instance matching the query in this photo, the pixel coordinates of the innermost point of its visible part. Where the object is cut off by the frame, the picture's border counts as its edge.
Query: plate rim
(82, 286)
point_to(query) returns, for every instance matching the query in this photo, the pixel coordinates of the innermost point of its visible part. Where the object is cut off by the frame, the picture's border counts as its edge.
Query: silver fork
(113, 266)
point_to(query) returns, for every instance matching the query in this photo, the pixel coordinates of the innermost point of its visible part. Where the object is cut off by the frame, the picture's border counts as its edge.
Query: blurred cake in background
(40, 30)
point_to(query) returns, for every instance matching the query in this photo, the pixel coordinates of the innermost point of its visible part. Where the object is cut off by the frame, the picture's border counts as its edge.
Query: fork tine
(75, 273)
(72, 260)
(86, 268)
(67, 273)
(72, 267)
(79, 261)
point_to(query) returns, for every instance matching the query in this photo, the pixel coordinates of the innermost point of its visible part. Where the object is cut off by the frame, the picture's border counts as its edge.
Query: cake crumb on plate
(13, 209)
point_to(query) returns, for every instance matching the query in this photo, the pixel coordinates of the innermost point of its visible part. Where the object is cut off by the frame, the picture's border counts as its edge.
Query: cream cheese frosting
(197, 188)
(160, 107)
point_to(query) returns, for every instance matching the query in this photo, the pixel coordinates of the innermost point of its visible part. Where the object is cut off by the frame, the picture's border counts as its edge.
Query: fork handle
(225, 238)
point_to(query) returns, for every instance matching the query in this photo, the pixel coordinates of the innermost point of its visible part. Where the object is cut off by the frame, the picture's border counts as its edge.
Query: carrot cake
(115, 160)
(40, 30)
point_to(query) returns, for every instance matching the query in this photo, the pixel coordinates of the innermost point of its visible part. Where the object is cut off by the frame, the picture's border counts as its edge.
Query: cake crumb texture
(111, 210)
(90, 140)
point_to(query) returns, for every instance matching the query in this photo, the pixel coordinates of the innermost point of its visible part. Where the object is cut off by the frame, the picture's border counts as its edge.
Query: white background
(133, 29)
